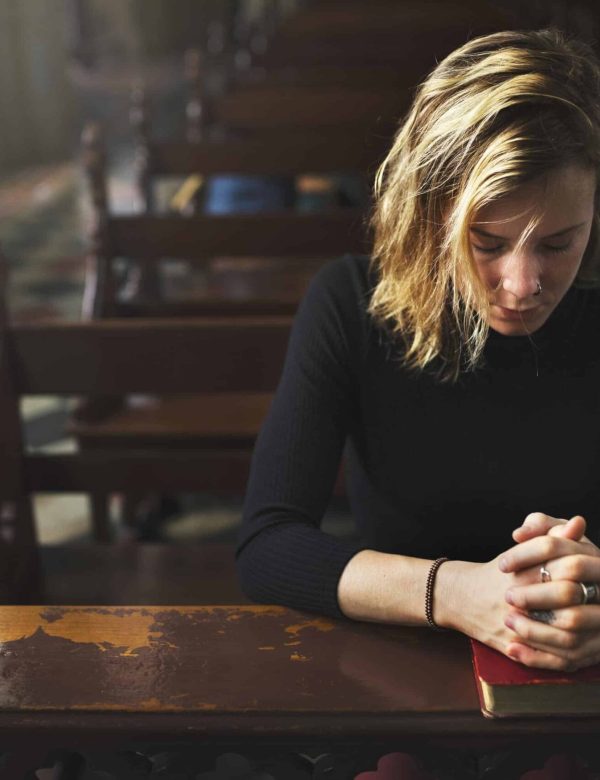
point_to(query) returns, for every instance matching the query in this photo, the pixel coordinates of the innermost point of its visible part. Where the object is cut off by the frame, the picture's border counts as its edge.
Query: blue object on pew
(232, 194)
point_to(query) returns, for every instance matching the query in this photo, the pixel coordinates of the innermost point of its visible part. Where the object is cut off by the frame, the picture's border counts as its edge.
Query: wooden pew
(270, 260)
(310, 159)
(291, 153)
(408, 35)
(296, 244)
(233, 365)
(292, 694)
(329, 38)
(254, 103)
(278, 108)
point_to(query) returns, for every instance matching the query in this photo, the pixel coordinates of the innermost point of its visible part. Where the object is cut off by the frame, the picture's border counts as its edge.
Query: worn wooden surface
(263, 660)
(238, 672)
(206, 692)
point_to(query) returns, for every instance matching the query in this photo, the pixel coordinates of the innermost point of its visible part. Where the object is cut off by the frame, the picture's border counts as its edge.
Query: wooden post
(99, 290)
(197, 110)
(140, 124)
(20, 575)
(99, 296)
(142, 280)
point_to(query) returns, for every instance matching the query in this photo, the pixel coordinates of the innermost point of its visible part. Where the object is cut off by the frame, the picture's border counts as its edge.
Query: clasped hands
(567, 637)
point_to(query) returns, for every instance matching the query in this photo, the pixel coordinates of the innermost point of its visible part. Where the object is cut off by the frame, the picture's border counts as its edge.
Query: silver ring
(545, 574)
(590, 592)
(539, 289)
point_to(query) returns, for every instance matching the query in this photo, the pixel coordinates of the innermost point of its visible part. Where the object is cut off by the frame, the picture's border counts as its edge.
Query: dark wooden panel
(235, 660)
(200, 306)
(106, 471)
(343, 20)
(286, 155)
(225, 418)
(346, 75)
(271, 107)
(154, 356)
(412, 36)
(265, 235)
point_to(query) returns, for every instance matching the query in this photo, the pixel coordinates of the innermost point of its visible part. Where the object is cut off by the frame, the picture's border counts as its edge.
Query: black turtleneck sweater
(433, 469)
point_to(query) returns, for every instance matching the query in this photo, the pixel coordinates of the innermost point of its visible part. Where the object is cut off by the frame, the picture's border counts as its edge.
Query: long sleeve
(283, 556)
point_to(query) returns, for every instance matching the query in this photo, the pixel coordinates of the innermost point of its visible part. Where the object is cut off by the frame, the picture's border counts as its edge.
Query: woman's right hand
(539, 524)
(472, 596)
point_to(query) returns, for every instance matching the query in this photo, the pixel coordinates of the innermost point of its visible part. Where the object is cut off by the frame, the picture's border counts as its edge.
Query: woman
(462, 366)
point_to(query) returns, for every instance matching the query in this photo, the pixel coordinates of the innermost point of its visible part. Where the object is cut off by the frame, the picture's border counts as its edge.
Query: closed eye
(557, 248)
(488, 250)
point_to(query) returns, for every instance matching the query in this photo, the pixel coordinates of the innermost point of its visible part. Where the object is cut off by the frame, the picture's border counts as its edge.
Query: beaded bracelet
(429, 594)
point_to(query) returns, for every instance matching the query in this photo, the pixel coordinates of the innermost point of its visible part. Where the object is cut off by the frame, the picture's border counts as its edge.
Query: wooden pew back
(279, 237)
(113, 358)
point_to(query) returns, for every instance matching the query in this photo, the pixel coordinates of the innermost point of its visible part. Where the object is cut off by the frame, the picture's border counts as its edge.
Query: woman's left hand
(562, 621)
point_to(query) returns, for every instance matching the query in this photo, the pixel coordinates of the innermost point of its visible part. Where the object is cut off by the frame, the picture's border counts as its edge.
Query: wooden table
(248, 679)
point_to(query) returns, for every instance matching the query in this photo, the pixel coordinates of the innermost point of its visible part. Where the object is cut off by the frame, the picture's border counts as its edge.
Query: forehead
(559, 198)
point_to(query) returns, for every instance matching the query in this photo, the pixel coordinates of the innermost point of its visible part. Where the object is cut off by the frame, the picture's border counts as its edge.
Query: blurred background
(196, 71)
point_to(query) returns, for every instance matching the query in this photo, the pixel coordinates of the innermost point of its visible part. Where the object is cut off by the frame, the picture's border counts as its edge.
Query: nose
(521, 275)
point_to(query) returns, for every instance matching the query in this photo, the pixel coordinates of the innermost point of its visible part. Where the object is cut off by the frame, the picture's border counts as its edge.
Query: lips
(515, 314)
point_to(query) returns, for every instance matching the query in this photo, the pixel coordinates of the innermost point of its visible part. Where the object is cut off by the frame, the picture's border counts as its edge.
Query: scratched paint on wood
(144, 659)
(320, 624)
(299, 657)
(103, 628)
(106, 627)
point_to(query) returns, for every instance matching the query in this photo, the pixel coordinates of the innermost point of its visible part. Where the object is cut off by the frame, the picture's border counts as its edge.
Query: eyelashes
(553, 249)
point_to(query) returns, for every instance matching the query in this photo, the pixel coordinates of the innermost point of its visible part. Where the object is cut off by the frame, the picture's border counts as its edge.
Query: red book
(507, 687)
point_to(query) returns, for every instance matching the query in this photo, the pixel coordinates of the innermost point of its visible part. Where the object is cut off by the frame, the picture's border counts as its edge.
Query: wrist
(450, 593)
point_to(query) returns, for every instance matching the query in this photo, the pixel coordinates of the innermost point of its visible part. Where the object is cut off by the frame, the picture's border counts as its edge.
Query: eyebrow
(481, 232)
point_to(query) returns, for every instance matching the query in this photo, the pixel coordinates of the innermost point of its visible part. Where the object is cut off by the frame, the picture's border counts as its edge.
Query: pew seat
(208, 420)
(119, 358)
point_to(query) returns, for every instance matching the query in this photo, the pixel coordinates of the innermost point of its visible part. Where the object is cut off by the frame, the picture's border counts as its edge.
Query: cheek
(489, 274)
(562, 270)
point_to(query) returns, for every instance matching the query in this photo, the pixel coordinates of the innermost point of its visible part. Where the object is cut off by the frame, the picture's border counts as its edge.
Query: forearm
(385, 588)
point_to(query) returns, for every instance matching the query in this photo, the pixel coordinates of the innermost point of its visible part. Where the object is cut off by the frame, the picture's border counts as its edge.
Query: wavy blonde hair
(499, 111)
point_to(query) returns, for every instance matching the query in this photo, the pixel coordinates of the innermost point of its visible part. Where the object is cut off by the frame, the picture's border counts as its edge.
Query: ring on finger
(545, 575)
(590, 592)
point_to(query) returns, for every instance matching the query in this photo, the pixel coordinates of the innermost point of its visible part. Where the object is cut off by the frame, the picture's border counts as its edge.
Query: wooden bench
(301, 161)
(317, 42)
(295, 695)
(278, 108)
(294, 244)
(409, 35)
(204, 152)
(230, 361)
(266, 263)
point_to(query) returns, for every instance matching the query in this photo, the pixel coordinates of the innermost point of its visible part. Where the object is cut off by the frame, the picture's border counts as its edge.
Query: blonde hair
(499, 111)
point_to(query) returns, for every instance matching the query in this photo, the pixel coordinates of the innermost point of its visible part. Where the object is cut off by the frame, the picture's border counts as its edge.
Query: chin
(508, 323)
(516, 328)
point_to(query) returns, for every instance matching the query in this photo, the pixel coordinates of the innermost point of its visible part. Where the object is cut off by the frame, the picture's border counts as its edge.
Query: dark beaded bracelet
(429, 594)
